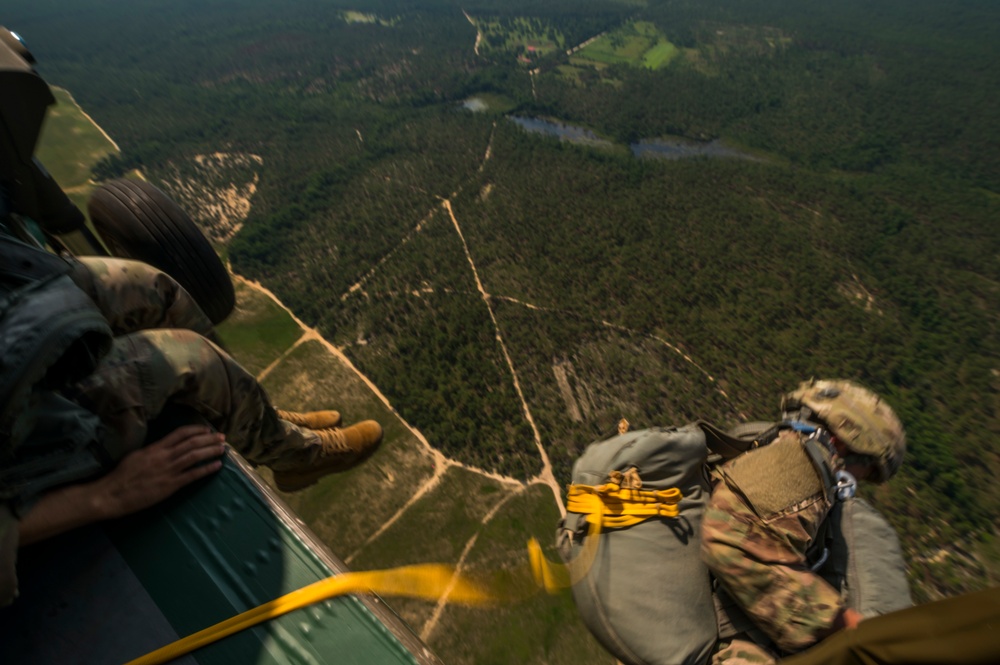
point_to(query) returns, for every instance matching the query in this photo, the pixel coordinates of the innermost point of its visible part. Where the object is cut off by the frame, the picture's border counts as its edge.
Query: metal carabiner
(847, 485)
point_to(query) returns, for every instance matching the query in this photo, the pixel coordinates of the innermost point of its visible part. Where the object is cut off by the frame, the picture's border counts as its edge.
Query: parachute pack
(647, 596)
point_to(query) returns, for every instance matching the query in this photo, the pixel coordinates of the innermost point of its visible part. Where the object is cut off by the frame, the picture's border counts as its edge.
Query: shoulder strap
(738, 440)
(22, 263)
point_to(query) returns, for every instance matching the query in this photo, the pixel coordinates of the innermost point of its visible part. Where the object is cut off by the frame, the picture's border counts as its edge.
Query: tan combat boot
(341, 449)
(311, 419)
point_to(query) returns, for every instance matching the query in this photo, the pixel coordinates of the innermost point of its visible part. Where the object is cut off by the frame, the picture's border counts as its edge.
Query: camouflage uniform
(161, 354)
(760, 559)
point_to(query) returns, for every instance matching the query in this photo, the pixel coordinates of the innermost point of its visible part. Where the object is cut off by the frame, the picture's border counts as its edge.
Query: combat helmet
(857, 417)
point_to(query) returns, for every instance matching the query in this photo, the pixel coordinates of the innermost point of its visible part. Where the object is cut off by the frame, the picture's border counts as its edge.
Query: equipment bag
(647, 597)
(865, 560)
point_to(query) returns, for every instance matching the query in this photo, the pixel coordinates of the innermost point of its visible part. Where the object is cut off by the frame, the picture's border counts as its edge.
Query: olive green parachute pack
(648, 597)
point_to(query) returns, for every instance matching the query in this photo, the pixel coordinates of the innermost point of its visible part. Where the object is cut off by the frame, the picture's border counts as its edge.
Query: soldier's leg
(136, 296)
(146, 369)
(743, 652)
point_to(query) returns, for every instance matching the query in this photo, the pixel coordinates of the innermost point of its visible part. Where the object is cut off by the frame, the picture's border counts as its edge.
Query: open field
(541, 629)
(408, 504)
(660, 55)
(638, 44)
(70, 145)
(531, 37)
(346, 509)
(258, 331)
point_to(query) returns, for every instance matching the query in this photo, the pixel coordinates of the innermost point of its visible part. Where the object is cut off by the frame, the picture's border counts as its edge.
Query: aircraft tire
(138, 221)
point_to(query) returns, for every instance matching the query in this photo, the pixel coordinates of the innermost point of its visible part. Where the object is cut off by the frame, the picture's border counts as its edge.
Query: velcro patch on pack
(776, 477)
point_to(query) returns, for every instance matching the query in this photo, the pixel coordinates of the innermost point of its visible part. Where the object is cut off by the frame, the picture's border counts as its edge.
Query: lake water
(678, 148)
(565, 132)
(665, 148)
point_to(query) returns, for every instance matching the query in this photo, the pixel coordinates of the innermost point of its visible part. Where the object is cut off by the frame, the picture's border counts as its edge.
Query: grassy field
(70, 145)
(638, 44)
(464, 513)
(660, 55)
(258, 329)
(540, 629)
(344, 510)
(530, 36)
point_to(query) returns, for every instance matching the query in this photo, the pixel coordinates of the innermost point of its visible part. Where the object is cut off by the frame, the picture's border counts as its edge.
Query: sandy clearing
(572, 408)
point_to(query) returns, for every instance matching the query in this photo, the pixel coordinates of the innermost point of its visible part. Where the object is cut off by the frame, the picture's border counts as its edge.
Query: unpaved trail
(431, 624)
(310, 334)
(585, 44)
(368, 275)
(615, 326)
(432, 482)
(270, 368)
(479, 34)
(679, 352)
(546, 474)
(489, 148)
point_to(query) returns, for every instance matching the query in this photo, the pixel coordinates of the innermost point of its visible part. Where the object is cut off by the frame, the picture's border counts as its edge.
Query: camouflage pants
(743, 652)
(161, 354)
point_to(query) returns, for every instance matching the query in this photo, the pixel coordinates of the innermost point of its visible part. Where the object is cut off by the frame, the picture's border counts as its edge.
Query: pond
(681, 148)
(660, 148)
(565, 132)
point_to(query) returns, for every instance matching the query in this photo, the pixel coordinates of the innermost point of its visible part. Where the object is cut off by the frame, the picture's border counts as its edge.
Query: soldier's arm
(763, 566)
(143, 478)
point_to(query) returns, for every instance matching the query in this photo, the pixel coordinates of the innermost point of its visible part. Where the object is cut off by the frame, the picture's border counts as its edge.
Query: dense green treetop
(860, 242)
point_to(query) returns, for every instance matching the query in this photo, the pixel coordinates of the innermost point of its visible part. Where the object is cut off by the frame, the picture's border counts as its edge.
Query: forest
(862, 243)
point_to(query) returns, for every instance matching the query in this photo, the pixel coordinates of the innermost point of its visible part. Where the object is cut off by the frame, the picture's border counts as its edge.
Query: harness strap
(613, 506)
(430, 581)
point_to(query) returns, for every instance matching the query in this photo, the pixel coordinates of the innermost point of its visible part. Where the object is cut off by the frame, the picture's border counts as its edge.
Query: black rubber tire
(138, 221)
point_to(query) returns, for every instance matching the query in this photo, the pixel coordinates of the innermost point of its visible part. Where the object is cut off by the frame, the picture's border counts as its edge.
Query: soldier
(160, 353)
(767, 508)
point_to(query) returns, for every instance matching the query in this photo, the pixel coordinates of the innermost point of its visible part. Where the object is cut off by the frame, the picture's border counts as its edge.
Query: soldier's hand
(151, 474)
(852, 618)
(847, 619)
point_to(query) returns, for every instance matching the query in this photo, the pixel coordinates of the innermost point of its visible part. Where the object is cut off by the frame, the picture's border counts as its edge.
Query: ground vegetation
(864, 244)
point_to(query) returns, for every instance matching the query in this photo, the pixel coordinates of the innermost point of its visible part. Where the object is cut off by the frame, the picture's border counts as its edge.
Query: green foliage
(866, 248)
(543, 628)
(639, 44)
(528, 37)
